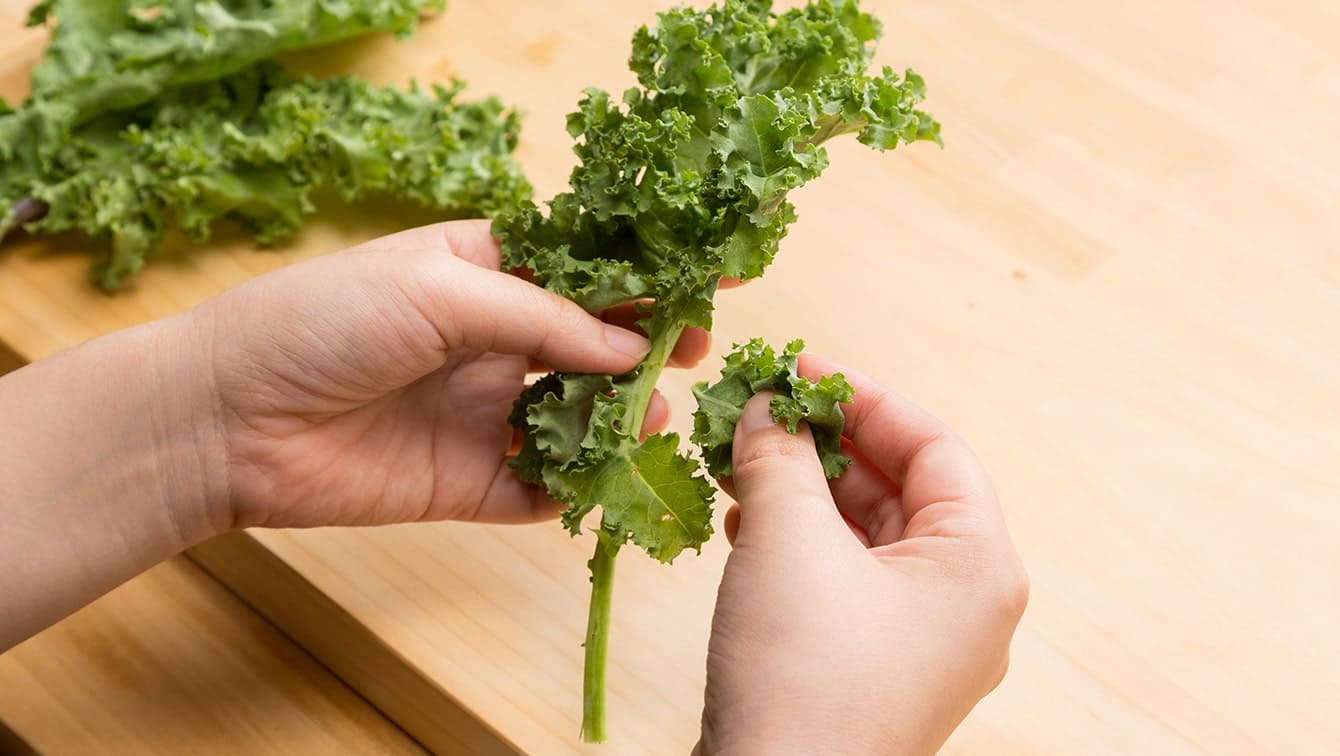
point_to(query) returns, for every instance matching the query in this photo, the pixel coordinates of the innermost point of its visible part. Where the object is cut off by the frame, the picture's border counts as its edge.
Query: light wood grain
(376, 670)
(172, 663)
(1120, 281)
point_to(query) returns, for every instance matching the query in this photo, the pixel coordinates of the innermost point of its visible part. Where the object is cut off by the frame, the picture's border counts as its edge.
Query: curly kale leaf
(254, 146)
(753, 367)
(117, 54)
(685, 178)
(578, 445)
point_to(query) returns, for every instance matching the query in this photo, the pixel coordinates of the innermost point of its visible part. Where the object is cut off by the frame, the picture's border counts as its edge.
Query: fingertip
(470, 240)
(658, 414)
(814, 366)
(693, 345)
(731, 523)
(727, 484)
(625, 342)
(473, 241)
(544, 508)
(509, 500)
(756, 416)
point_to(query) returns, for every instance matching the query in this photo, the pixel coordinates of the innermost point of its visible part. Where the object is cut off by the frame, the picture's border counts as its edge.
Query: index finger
(928, 461)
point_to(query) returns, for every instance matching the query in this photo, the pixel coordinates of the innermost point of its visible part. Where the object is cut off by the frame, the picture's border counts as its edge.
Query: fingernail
(757, 414)
(627, 342)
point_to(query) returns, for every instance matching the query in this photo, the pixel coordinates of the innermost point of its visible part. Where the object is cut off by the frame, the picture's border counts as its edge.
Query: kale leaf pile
(144, 114)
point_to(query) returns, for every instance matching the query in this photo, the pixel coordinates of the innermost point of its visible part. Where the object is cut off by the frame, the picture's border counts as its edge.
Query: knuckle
(877, 398)
(559, 317)
(769, 453)
(780, 463)
(1000, 671)
(1012, 592)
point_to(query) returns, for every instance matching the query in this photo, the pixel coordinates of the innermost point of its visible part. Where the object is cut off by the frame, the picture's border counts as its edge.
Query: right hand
(864, 616)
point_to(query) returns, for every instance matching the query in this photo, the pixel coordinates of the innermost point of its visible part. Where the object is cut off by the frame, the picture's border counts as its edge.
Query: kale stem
(644, 382)
(597, 638)
(23, 211)
(639, 392)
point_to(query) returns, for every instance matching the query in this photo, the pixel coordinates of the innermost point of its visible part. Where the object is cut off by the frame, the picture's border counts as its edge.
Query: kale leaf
(252, 147)
(116, 54)
(148, 113)
(682, 181)
(753, 367)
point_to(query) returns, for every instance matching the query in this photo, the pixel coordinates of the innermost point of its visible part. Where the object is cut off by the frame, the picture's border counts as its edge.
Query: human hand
(866, 615)
(373, 386)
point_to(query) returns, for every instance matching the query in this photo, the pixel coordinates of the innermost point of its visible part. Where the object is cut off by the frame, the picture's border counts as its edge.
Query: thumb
(471, 304)
(779, 483)
(497, 312)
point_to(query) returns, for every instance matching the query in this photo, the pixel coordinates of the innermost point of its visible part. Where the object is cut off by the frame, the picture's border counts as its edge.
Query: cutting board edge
(425, 710)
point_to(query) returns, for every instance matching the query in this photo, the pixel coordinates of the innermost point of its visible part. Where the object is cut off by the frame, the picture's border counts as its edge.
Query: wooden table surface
(172, 663)
(1120, 281)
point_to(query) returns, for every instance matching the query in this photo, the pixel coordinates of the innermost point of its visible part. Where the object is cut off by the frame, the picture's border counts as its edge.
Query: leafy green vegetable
(147, 114)
(252, 148)
(682, 181)
(755, 367)
(113, 55)
(649, 491)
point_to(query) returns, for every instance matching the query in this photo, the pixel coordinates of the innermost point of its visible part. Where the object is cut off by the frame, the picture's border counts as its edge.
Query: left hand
(365, 387)
(373, 386)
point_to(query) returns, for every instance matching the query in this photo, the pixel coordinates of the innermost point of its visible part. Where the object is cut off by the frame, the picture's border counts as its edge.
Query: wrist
(187, 440)
(108, 457)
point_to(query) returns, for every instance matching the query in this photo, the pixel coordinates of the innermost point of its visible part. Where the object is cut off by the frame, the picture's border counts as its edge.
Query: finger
(728, 486)
(355, 325)
(474, 242)
(658, 415)
(489, 311)
(731, 524)
(693, 345)
(508, 500)
(731, 283)
(928, 462)
(784, 499)
(868, 499)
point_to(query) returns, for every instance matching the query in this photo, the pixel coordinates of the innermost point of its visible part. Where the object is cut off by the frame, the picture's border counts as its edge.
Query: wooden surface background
(172, 663)
(1120, 281)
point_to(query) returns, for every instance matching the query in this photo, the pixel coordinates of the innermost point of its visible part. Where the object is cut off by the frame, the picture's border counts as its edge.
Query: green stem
(644, 382)
(23, 211)
(639, 392)
(597, 638)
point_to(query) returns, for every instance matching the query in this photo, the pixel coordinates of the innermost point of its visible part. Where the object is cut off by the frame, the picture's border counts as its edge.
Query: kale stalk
(681, 185)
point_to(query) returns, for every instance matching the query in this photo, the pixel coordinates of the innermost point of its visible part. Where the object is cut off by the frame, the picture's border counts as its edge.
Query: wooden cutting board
(172, 663)
(1120, 281)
